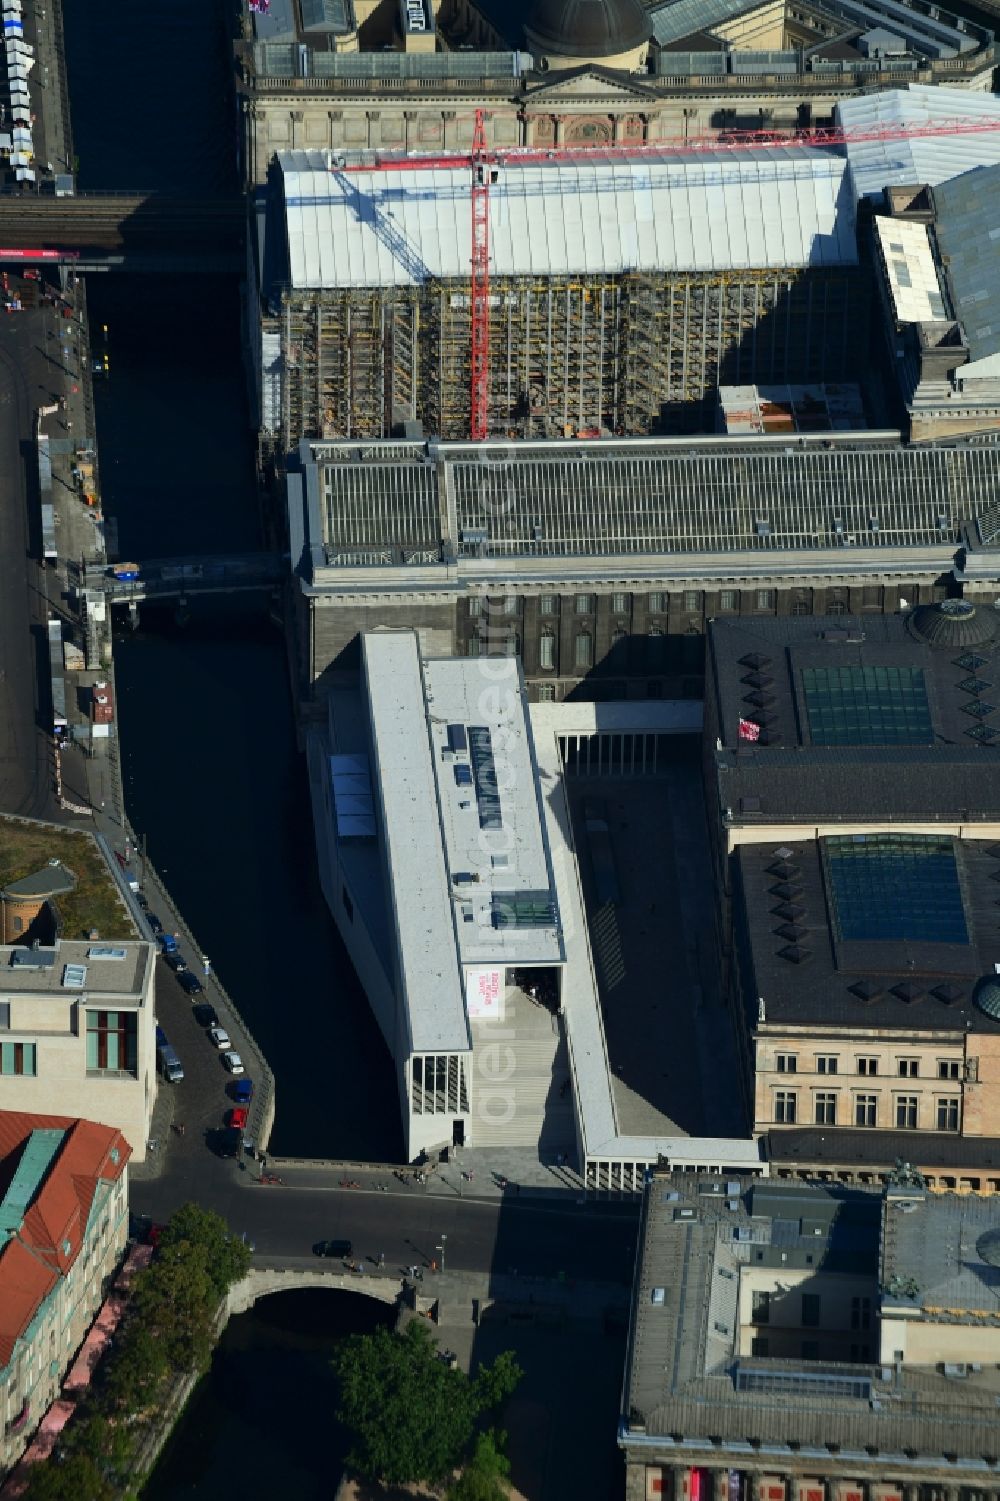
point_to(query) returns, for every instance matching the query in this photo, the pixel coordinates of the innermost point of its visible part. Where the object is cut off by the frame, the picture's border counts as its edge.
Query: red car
(237, 1117)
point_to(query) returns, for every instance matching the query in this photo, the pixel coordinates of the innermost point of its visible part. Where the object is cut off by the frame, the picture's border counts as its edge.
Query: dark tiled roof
(950, 770)
(835, 979)
(928, 1150)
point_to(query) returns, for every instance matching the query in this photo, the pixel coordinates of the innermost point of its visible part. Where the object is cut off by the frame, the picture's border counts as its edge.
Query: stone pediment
(588, 83)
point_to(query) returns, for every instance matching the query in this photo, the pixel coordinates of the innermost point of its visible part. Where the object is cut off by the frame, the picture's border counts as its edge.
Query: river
(261, 1423)
(213, 777)
(212, 774)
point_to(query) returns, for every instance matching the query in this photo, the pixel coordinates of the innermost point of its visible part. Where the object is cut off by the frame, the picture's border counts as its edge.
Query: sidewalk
(488, 1174)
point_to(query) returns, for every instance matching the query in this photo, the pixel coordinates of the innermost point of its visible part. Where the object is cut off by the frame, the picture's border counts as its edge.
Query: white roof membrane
(783, 207)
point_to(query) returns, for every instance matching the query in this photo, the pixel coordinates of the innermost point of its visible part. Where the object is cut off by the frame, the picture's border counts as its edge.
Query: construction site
(621, 294)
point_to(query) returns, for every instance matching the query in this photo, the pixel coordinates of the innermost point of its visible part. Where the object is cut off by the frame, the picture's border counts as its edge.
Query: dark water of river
(212, 774)
(261, 1424)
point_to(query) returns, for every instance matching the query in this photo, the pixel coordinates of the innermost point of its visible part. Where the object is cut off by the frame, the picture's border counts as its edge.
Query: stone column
(559, 122)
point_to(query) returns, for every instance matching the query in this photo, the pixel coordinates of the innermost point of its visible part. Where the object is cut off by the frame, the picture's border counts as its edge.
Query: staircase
(526, 1107)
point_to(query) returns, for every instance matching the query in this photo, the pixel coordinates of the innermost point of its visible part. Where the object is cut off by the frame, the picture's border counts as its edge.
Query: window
(801, 607)
(546, 693)
(765, 599)
(510, 646)
(868, 1066)
(547, 649)
(692, 600)
(759, 1347)
(548, 604)
(510, 604)
(473, 648)
(583, 604)
(826, 1064)
(908, 1068)
(5, 1015)
(826, 1109)
(760, 1312)
(837, 607)
(656, 603)
(949, 1068)
(866, 1109)
(583, 650)
(619, 604)
(861, 1313)
(852, 705)
(786, 1063)
(784, 1107)
(810, 1310)
(728, 599)
(111, 1041)
(17, 1058)
(894, 886)
(906, 1111)
(947, 1115)
(475, 606)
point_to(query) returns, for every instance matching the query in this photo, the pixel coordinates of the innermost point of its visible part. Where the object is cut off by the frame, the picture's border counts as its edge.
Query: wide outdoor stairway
(526, 1108)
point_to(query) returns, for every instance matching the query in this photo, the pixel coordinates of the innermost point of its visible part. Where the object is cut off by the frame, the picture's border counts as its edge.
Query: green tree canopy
(68, 1480)
(485, 1476)
(411, 1416)
(226, 1257)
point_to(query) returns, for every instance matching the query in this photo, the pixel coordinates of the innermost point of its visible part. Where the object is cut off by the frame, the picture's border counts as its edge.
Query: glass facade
(867, 706)
(891, 887)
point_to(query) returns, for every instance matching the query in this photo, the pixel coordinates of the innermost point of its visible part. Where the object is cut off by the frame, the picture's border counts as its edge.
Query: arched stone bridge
(261, 1281)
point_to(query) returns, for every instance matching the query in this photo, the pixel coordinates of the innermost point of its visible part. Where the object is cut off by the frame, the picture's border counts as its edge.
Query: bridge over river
(131, 231)
(180, 578)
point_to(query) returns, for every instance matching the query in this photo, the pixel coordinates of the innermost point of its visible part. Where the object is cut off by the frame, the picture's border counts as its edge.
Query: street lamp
(441, 1248)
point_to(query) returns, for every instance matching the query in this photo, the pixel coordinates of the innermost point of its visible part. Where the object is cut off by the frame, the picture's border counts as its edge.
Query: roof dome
(987, 996)
(587, 28)
(955, 623)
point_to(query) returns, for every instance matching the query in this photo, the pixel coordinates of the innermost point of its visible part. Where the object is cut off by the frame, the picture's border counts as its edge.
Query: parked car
(230, 1139)
(161, 1037)
(176, 960)
(338, 1248)
(143, 900)
(219, 1037)
(168, 943)
(189, 981)
(242, 1091)
(232, 1061)
(205, 1015)
(238, 1116)
(154, 922)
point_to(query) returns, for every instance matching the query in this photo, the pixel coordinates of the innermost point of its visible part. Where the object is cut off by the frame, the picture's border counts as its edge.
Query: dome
(954, 624)
(987, 996)
(587, 28)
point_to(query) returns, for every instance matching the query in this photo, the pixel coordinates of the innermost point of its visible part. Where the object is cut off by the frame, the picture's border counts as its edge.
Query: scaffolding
(568, 356)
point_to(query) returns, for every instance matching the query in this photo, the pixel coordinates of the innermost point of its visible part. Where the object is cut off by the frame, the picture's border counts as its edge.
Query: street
(537, 1237)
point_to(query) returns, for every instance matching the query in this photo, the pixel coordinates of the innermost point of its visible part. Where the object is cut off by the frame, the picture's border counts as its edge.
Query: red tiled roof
(32, 1261)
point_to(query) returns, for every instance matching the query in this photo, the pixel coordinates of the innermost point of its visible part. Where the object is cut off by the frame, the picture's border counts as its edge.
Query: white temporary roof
(930, 159)
(787, 206)
(911, 272)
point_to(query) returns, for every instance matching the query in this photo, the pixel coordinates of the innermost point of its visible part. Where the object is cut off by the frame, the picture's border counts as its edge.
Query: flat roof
(942, 1255)
(685, 1390)
(783, 207)
(911, 271)
(68, 963)
(419, 886)
(834, 406)
(489, 805)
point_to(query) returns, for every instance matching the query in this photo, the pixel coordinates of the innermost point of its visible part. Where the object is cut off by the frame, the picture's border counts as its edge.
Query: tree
(485, 1476)
(68, 1480)
(411, 1415)
(226, 1257)
(137, 1368)
(175, 1299)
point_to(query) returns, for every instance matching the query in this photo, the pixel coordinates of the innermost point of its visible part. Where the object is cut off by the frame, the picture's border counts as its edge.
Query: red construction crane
(484, 163)
(480, 288)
